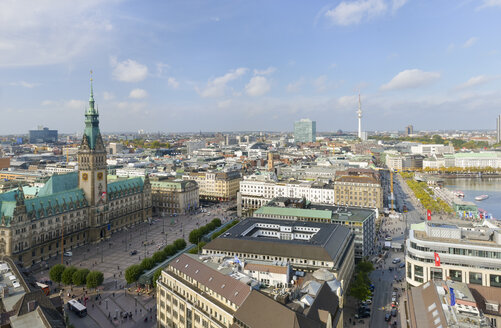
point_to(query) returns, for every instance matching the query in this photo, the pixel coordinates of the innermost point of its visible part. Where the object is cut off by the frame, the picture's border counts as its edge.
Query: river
(479, 186)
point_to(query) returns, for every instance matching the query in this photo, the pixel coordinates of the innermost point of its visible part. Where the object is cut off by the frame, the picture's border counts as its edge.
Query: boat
(481, 197)
(459, 194)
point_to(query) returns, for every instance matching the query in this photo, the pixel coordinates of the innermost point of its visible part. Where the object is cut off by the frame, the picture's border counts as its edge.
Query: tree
(365, 266)
(56, 272)
(94, 279)
(359, 288)
(67, 275)
(80, 277)
(180, 244)
(194, 236)
(132, 273)
(217, 222)
(159, 256)
(147, 263)
(169, 250)
(156, 275)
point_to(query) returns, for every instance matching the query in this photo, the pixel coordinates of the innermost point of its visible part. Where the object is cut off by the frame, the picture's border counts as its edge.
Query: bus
(77, 307)
(45, 288)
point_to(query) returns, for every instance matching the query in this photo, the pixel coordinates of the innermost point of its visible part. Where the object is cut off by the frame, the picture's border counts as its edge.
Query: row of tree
(133, 272)
(70, 275)
(360, 286)
(436, 139)
(212, 237)
(197, 234)
(424, 194)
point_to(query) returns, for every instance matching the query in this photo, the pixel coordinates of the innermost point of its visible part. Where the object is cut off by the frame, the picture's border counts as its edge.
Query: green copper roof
(91, 121)
(58, 183)
(8, 204)
(48, 203)
(296, 212)
(125, 185)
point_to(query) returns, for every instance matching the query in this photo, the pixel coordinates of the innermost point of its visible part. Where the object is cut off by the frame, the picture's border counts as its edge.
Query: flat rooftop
(316, 241)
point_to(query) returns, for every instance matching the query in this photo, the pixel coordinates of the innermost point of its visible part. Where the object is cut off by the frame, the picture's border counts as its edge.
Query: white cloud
(172, 82)
(138, 94)
(320, 83)
(217, 86)
(257, 86)
(489, 3)
(476, 80)
(470, 42)
(50, 32)
(161, 67)
(411, 78)
(224, 103)
(128, 70)
(131, 107)
(23, 84)
(72, 104)
(295, 86)
(397, 4)
(108, 95)
(347, 13)
(267, 71)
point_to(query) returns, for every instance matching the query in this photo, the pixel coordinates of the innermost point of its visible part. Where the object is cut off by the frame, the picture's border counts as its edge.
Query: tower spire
(359, 112)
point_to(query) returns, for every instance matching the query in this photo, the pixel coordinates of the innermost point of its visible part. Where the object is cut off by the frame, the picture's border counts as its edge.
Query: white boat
(481, 197)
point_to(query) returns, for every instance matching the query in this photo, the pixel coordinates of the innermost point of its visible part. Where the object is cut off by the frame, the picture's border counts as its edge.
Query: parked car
(388, 239)
(401, 265)
(362, 315)
(394, 312)
(368, 301)
(396, 260)
(134, 252)
(363, 309)
(387, 317)
(69, 254)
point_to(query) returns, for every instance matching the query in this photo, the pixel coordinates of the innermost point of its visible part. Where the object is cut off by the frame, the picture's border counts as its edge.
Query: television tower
(359, 112)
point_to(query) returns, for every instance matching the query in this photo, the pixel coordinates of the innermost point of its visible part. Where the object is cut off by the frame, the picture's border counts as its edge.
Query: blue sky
(177, 66)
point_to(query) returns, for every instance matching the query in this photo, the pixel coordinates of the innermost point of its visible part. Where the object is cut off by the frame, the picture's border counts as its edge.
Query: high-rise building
(409, 129)
(305, 130)
(43, 135)
(359, 115)
(498, 129)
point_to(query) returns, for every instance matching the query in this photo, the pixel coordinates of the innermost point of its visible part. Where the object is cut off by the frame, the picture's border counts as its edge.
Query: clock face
(100, 175)
(85, 176)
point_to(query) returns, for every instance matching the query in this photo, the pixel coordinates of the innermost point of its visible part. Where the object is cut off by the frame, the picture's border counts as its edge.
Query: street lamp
(163, 222)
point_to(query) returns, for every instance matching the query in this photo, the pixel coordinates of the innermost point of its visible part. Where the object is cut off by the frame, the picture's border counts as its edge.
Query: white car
(69, 254)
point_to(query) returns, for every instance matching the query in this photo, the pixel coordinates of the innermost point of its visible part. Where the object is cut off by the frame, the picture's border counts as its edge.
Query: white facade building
(256, 193)
(469, 254)
(425, 149)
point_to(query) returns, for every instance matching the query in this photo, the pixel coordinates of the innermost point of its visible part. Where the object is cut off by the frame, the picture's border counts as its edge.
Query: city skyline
(235, 66)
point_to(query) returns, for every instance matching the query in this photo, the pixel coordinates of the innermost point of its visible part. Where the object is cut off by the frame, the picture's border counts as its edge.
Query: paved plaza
(112, 257)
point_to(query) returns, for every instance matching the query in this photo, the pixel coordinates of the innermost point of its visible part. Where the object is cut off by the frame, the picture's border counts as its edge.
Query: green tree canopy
(94, 279)
(180, 244)
(67, 275)
(132, 273)
(156, 275)
(56, 272)
(80, 277)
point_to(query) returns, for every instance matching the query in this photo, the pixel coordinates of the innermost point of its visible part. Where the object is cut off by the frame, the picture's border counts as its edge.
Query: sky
(207, 65)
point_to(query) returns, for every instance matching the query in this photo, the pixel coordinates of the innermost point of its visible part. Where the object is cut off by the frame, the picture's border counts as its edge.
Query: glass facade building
(305, 130)
(43, 136)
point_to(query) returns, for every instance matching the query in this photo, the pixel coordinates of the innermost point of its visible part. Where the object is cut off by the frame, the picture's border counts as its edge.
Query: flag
(103, 195)
(428, 214)
(437, 259)
(453, 297)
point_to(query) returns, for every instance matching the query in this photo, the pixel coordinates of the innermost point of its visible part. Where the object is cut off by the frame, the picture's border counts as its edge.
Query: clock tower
(92, 169)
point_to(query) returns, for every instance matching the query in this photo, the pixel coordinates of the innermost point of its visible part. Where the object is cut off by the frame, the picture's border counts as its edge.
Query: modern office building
(85, 204)
(305, 130)
(409, 129)
(206, 291)
(358, 187)
(216, 185)
(360, 221)
(305, 245)
(174, 196)
(462, 252)
(43, 135)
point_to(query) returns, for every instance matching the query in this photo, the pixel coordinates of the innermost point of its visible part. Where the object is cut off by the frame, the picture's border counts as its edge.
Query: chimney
(32, 306)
